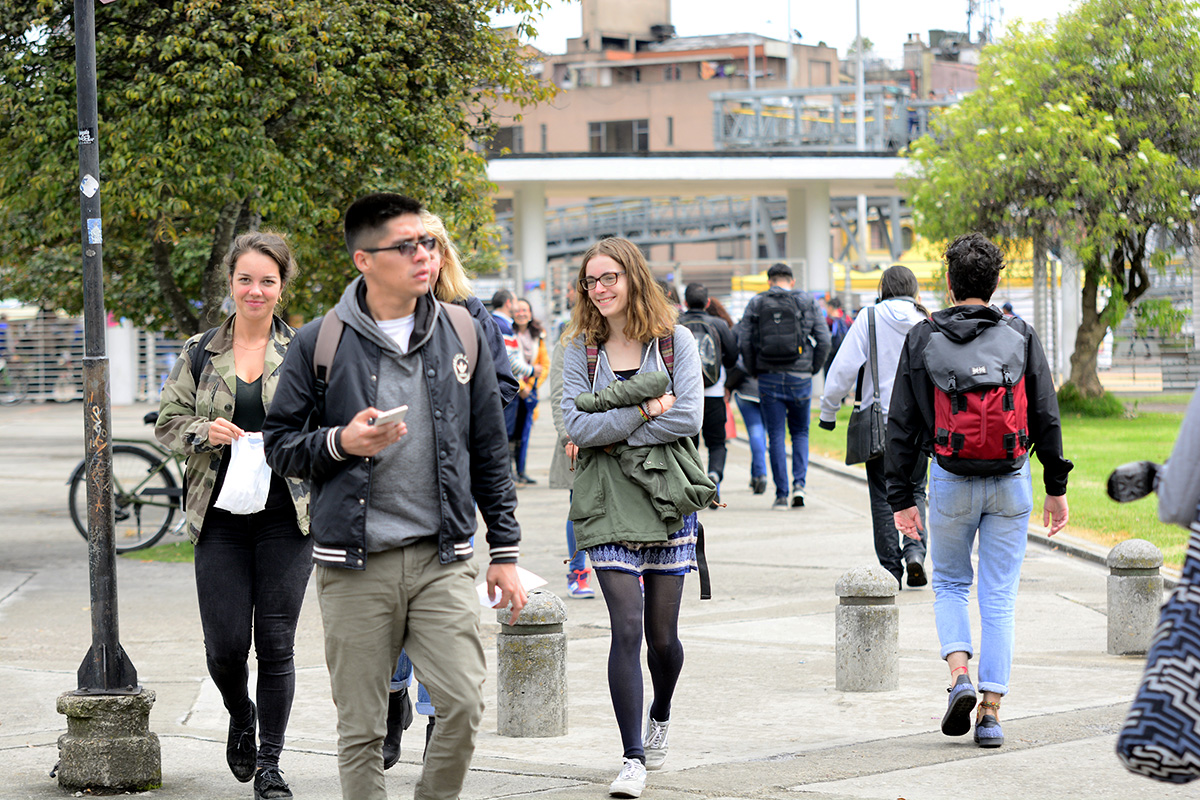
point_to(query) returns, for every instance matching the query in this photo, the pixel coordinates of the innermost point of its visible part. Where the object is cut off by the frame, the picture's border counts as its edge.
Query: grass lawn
(174, 552)
(1096, 446)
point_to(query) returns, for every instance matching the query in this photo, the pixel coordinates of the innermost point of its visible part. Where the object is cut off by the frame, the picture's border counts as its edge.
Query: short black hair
(973, 264)
(501, 298)
(779, 270)
(696, 296)
(367, 215)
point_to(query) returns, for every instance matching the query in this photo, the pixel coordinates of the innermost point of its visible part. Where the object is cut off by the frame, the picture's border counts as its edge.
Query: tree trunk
(1092, 327)
(215, 284)
(186, 321)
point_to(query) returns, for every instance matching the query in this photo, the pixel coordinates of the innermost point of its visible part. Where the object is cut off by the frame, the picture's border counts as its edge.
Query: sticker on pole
(87, 135)
(93, 231)
(89, 186)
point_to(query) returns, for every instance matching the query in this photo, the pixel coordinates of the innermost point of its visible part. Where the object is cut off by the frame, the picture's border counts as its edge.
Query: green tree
(1085, 135)
(216, 117)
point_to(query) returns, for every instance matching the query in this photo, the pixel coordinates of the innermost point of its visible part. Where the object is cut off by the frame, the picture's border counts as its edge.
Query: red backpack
(981, 415)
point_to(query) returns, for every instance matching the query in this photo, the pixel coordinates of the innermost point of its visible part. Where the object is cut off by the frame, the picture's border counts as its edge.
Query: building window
(671, 72)
(620, 136)
(543, 137)
(510, 139)
(670, 131)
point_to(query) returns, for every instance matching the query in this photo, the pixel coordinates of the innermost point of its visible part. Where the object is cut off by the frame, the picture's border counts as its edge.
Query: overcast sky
(885, 22)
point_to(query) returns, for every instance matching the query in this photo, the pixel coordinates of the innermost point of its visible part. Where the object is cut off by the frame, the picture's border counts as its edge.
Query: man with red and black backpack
(974, 389)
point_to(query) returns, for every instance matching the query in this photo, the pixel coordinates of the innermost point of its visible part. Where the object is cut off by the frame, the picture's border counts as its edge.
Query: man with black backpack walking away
(974, 388)
(718, 352)
(784, 340)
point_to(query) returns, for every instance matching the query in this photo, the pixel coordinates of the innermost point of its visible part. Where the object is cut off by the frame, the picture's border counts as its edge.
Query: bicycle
(146, 495)
(13, 388)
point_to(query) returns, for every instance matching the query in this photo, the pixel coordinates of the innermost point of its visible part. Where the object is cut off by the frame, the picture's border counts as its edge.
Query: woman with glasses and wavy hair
(623, 334)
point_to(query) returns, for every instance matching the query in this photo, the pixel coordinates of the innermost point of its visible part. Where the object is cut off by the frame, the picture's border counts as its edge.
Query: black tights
(628, 615)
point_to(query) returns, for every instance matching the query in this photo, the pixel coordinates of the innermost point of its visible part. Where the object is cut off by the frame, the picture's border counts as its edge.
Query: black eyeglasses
(607, 279)
(408, 247)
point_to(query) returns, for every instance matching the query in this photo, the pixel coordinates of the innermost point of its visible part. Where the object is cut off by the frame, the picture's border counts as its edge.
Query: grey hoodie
(395, 519)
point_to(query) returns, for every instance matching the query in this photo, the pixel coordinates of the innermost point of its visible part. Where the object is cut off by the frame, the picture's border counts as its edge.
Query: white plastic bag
(248, 479)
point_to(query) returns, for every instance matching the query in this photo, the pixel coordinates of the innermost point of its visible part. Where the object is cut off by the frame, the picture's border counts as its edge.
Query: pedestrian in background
(896, 311)
(531, 338)
(562, 476)
(717, 346)
(251, 569)
(783, 340)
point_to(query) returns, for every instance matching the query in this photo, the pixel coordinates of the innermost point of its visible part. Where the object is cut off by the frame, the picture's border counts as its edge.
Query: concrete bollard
(531, 669)
(868, 631)
(108, 745)
(1135, 595)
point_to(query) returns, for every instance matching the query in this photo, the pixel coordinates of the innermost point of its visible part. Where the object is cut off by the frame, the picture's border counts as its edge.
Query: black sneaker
(240, 748)
(400, 716)
(797, 496)
(525, 479)
(759, 484)
(1133, 481)
(916, 574)
(270, 785)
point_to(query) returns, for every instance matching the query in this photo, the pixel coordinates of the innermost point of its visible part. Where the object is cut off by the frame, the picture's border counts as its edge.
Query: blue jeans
(785, 400)
(522, 426)
(756, 433)
(401, 679)
(997, 508)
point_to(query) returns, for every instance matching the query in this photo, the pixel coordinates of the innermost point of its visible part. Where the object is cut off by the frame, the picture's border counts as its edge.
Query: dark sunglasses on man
(407, 248)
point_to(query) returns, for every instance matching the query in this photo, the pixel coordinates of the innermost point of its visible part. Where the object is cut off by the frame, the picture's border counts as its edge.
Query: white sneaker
(631, 781)
(655, 743)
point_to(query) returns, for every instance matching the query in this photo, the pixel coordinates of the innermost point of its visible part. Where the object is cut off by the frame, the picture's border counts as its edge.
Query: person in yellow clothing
(531, 338)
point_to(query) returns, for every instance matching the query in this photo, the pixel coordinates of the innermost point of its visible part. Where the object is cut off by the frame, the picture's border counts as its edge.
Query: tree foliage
(1085, 134)
(216, 117)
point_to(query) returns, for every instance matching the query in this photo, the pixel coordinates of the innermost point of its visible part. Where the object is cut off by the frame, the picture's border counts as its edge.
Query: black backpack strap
(460, 318)
(702, 564)
(201, 356)
(328, 337)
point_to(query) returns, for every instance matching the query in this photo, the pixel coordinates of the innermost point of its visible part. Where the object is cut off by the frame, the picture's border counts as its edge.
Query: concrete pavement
(756, 714)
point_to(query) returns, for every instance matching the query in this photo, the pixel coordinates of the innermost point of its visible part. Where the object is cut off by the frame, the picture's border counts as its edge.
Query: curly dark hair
(973, 263)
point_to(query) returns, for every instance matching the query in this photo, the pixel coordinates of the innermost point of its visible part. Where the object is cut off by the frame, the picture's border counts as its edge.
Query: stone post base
(108, 744)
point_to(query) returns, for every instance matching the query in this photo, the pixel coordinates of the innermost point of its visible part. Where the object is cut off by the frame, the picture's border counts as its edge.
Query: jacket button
(442, 454)
(437, 415)
(443, 495)
(361, 501)
(372, 377)
(431, 372)
(360, 562)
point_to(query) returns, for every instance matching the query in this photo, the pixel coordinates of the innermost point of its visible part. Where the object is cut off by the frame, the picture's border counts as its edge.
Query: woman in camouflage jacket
(251, 569)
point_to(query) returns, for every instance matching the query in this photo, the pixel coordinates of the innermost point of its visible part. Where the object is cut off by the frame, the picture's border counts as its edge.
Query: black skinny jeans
(251, 573)
(713, 430)
(892, 548)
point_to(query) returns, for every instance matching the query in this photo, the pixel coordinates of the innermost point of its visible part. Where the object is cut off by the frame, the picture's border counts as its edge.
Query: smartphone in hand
(395, 415)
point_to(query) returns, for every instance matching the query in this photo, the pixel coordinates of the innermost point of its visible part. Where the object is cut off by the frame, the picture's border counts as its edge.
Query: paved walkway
(756, 714)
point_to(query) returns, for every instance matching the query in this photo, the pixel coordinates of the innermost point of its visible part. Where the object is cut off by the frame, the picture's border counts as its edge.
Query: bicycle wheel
(12, 387)
(144, 498)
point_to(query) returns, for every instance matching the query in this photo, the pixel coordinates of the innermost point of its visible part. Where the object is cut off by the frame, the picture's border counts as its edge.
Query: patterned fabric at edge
(676, 557)
(1161, 735)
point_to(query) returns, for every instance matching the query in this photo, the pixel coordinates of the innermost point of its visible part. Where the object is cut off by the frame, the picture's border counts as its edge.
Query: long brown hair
(899, 281)
(649, 315)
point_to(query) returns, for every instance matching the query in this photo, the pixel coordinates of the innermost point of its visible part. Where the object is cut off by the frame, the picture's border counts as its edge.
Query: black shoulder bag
(866, 434)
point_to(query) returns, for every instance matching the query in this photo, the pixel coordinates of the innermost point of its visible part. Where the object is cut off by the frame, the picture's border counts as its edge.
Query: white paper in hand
(528, 581)
(248, 479)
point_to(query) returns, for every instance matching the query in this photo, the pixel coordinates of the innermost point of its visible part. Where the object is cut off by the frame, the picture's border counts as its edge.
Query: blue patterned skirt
(677, 556)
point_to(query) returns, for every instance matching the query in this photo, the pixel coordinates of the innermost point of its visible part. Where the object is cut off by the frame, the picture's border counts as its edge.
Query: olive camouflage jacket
(186, 409)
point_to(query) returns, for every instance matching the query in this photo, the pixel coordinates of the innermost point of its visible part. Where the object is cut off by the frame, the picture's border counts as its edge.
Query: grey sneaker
(797, 496)
(631, 781)
(1133, 481)
(780, 504)
(655, 743)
